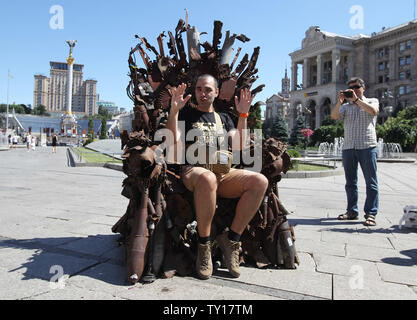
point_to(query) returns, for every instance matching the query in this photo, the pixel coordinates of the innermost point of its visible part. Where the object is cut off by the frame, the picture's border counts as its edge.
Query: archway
(311, 116)
(326, 109)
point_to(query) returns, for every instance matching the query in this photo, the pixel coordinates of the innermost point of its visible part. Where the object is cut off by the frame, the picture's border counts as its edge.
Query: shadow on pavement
(51, 257)
(412, 253)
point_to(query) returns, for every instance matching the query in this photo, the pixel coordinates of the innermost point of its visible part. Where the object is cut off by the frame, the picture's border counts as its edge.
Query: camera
(348, 94)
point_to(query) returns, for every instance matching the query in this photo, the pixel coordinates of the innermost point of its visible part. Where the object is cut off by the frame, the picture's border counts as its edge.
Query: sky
(32, 34)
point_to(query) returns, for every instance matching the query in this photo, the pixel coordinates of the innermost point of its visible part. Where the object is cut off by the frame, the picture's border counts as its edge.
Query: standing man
(359, 115)
(248, 186)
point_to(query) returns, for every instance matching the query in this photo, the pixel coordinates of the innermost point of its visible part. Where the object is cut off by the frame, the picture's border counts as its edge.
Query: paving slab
(356, 239)
(313, 284)
(374, 254)
(349, 288)
(344, 266)
(404, 274)
(311, 246)
(14, 285)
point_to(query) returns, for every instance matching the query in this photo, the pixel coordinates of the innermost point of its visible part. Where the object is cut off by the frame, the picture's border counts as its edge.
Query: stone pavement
(55, 223)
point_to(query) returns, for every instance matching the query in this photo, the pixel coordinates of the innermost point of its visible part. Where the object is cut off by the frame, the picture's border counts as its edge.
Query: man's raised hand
(246, 98)
(177, 97)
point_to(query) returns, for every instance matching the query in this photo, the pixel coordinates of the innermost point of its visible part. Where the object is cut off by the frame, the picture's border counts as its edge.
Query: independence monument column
(69, 124)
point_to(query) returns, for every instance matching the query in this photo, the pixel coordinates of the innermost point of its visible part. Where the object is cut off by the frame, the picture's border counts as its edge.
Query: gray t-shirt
(359, 125)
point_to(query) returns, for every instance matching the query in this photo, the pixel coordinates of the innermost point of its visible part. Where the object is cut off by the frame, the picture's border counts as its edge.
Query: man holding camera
(359, 115)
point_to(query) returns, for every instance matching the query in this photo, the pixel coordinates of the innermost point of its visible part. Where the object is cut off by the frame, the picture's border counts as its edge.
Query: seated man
(248, 186)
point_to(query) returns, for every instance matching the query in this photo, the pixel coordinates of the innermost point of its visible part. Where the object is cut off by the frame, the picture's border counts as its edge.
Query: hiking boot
(203, 264)
(230, 251)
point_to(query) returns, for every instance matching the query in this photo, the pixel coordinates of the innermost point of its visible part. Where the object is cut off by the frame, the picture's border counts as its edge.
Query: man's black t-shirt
(204, 121)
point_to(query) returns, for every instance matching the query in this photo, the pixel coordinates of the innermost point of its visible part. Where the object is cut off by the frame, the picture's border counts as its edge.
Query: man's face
(205, 92)
(358, 88)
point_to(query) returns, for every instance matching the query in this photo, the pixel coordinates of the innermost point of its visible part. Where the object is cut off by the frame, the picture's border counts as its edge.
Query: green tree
(254, 119)
(103, 113)
(401, 129)
(296, 136)
(91, 128)
(103, 131)
(40, 110)
(280, 129)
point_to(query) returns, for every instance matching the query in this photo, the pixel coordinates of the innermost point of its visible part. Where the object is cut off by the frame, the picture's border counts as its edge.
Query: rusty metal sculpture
(158, 229)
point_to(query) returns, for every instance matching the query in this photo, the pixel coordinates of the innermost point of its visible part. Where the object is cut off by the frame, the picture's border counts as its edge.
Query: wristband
(243, 115)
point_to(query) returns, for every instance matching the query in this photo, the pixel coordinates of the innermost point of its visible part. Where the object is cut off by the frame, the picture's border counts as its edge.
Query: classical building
(279, 103)
(52, 92)
(386, 61)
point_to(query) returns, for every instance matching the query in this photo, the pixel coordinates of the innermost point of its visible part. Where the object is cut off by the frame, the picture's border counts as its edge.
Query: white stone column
(294, 71)
(319, 69)
(69, 85)
(305, 73)
(318, 116)
(351, 66)
(335, 65)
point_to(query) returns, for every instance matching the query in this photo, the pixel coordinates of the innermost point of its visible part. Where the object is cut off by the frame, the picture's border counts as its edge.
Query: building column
(305, 73)
(392, 63)
(294, 71)
(319, 69)
(351, 66)
(318, 116)
(335, 65)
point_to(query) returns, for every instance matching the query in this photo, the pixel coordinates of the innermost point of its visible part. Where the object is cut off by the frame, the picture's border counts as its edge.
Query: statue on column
(71, 44)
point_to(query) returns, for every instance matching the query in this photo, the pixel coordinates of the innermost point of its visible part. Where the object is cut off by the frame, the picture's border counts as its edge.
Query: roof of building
(39, 122)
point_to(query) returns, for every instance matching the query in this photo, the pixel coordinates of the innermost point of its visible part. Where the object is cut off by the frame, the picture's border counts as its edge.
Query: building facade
(51, 92)
(386, 61)
(279, 103)
(109, 106)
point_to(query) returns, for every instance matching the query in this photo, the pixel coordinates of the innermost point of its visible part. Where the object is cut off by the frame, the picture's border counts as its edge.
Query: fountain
(388, 150)
(332, 149)
(385, 151)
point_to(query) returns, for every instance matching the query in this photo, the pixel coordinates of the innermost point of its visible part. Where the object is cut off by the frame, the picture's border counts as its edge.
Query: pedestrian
(205, 182)
(14, 141)
(33, 143)
(54, 142)
(10, 140)
(359, 115)
(28, 141)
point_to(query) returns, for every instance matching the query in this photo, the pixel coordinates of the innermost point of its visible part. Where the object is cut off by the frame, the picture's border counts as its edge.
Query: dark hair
(356, 79)
(206, 76)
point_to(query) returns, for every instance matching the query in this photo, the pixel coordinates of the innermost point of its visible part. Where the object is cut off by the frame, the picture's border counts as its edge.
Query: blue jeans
(367, 159)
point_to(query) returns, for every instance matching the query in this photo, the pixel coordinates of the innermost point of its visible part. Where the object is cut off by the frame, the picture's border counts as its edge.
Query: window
(380, 66)
(407, 89)
(380, 79)
(408, 60)
(387, 65)
(402, 46)
(386, 78)
(408, 74)
(408, 44)
(402, 61)
(401, 90)
(387, 51)
(401, 75)
(380, 53)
